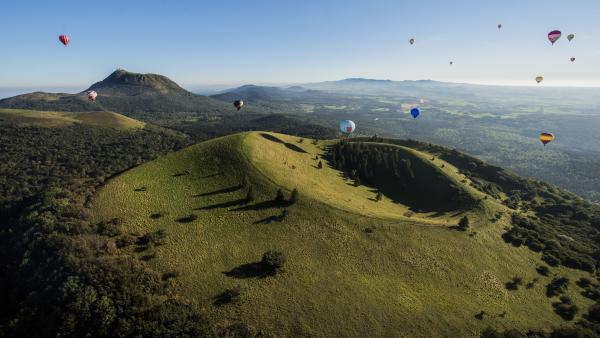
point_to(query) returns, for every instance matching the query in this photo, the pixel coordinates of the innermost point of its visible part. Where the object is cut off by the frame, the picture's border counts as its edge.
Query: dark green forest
(62, 275)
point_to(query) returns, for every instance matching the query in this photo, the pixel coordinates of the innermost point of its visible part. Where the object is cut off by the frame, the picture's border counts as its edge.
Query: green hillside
(355, 266)
(23, 117)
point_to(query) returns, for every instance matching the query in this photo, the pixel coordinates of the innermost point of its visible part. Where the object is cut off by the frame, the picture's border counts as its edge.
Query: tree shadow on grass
(220, 191)
(263, 205)
(294, 148)
(250, 270)
(187, 219)
(224, 205)
(271, 138)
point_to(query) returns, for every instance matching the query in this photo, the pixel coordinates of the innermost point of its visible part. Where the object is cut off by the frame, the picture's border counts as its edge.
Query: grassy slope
(59, 119)
(339, 280)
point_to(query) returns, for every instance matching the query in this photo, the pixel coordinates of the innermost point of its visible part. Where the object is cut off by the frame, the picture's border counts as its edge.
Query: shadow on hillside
(263, 205)
(294, 148)
(211, 175)
(220, 191)
(183, 173)
(271, 138)
(224, 204)
(249, 270)
(278, 140)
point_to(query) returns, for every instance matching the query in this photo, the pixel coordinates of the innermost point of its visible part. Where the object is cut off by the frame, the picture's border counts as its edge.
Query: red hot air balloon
(65, 39)
(554, 36)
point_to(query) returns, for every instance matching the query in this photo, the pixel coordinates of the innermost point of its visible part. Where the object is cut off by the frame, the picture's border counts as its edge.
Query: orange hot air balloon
(64, 39)
(546, 138)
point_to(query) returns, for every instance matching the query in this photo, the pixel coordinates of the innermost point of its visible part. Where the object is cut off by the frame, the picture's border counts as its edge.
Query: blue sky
(235, 42)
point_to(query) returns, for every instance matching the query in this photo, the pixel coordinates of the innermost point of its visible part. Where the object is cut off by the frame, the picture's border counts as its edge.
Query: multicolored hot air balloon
(415, 112)
(572, 59)
(91, 95)
(499, 25)
(570, 37)
(65, 39)
(238, 104)
(554, 36)
(539, 78)
(412, 41)
(546, 138)
(347, 126)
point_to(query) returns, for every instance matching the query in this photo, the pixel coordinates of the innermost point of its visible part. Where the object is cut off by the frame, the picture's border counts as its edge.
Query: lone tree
(279, 198)
(379, 196)
(273, 261)
(294, 196)
(463, 224)
(320, 165)
(250, 194)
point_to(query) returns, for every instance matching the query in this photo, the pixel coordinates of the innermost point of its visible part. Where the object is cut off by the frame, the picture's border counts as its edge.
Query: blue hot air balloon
(415, 112)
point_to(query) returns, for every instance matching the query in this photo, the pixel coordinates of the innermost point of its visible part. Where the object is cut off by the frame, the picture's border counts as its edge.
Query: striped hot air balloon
(546, 138)
(347, 126)
(64, 39)
(554, 36)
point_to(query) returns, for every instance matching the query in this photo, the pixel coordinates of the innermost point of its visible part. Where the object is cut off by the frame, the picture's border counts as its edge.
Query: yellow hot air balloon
(539, 78)
(546, 138)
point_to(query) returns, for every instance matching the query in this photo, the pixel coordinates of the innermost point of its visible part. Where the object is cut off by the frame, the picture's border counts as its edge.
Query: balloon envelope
(451, 63)
(546, 138)
(411, 41)
(238, 104)
(570, 37)
(572, 59)
(91, 95)
(415, 112)
(554, 36)
(64, 39)
(347, 126)
(499, 25)
(539, 78)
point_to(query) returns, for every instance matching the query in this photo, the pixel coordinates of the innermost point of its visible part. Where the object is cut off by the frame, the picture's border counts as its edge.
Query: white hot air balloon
(347, 126)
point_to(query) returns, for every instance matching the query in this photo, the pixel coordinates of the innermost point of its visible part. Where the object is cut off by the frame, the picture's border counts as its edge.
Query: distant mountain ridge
(123, 92)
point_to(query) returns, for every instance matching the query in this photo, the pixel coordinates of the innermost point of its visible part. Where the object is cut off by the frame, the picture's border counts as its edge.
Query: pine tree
(250, 194)
(463, 224)
(279, 198)
(294, 196)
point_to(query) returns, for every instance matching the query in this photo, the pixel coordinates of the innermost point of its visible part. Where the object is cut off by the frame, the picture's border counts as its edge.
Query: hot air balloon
(65, 39)
(422, 101)
(451, 63)
(91, 95)
(554, 36)
(572, 59)
(347, 126)
(415, 112)
(412, 41)
(499, 25)
(546, 138)
(539, 78)
(238, 104)
(570, 37)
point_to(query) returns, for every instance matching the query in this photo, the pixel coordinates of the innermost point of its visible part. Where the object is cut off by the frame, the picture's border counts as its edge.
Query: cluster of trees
(399, 175)
(62, 275)
(33, 158)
